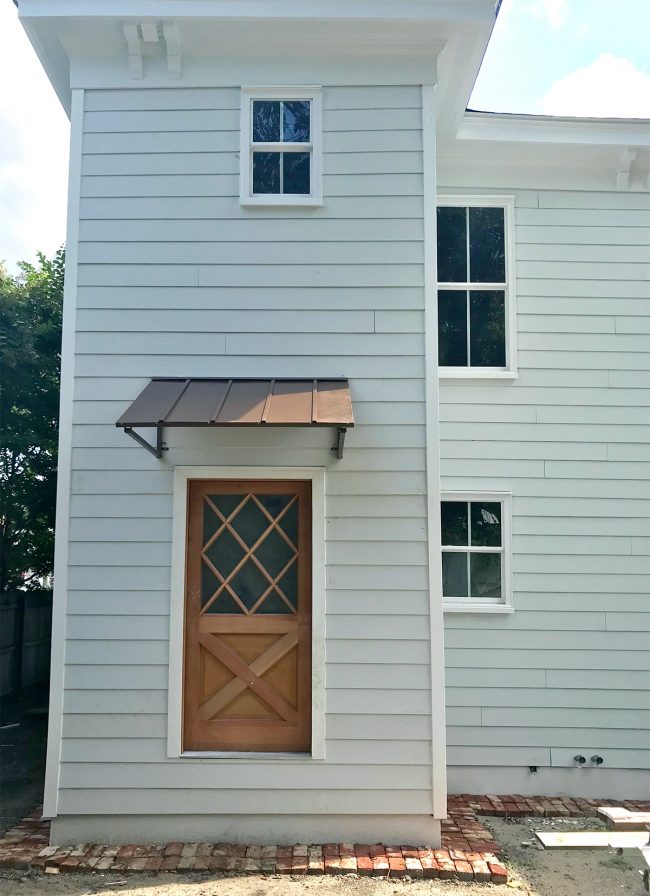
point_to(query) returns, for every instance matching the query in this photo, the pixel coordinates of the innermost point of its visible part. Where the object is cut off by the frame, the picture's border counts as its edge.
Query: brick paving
(468, 851)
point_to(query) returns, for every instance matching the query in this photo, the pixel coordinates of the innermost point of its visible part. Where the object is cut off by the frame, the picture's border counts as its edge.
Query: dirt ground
(596, 872)
(565, 872)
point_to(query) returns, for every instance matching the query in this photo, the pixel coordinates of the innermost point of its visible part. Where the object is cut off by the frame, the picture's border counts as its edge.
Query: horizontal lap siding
(167, 287)
(569, 439)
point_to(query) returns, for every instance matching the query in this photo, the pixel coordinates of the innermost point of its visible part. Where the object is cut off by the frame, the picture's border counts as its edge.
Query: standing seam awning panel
(241, 402)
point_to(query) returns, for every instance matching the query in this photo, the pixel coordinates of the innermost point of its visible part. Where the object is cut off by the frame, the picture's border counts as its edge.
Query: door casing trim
(316, 475)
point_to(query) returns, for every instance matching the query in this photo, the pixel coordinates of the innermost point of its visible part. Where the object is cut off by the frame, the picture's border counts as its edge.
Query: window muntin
(280, 147)
(475, 286)
(474, 562)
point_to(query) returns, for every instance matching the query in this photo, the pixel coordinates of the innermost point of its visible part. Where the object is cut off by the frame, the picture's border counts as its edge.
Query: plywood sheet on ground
(592, 839)
(619, 819)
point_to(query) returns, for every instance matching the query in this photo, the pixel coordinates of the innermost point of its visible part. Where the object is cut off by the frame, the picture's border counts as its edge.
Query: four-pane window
(473, 286)
(473, 559)
(280, 147)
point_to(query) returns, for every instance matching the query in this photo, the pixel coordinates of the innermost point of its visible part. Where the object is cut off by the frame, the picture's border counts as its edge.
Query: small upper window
(280, 158)
(475, 287)
(475, 564)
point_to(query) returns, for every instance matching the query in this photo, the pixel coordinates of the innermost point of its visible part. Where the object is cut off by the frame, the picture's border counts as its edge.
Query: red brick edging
(469, 851)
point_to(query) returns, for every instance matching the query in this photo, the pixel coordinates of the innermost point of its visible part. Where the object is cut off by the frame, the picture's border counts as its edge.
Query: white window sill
(461, 607)
(276, 201)
(474, 374)
(240, 756)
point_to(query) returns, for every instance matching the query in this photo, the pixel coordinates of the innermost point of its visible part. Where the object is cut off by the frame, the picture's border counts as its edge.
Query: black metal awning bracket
(157, 449)
(340, 442)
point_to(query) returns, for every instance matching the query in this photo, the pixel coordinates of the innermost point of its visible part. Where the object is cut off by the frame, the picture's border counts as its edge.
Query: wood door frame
(177, 606)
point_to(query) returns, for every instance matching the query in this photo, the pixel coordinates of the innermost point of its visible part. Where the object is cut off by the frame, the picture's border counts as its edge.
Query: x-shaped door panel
(248, 675)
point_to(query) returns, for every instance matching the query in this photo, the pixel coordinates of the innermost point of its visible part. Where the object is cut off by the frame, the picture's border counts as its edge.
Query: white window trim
(476, 605)
(509, 372)
(247, 198)
(177, 610)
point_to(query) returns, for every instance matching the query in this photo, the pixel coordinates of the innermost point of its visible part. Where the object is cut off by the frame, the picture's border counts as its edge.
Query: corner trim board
(436, 623)
(59, 600)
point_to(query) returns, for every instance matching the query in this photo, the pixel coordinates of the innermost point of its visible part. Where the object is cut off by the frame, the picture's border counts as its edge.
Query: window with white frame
(476, 314)
(281, 151)
(475, 550)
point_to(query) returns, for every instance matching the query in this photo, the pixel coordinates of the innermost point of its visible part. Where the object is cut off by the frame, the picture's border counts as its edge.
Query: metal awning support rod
(156, 450)
(340, 441)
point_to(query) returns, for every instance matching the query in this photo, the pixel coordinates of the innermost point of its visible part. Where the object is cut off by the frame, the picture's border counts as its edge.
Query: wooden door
(248, 616)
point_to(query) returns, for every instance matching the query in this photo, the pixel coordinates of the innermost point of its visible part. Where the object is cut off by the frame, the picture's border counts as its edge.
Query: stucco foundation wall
(251, 829)
(569, 672)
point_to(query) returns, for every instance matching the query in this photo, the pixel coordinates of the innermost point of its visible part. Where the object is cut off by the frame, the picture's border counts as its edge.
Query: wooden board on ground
(592, 839)
(619, 819)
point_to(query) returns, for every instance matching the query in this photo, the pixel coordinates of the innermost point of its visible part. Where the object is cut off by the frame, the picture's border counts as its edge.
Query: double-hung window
(476, 312)
(476, 551)
(281, 146)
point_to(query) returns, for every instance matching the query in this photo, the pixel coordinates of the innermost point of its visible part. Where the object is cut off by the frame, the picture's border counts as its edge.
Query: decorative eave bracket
(137, 33)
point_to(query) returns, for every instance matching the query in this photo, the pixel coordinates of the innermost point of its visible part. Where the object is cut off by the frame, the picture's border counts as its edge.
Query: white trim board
(434, 554)
(59, 600)
(177, 608)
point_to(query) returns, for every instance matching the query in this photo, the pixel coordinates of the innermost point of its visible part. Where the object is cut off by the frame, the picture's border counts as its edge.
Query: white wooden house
(256, 594)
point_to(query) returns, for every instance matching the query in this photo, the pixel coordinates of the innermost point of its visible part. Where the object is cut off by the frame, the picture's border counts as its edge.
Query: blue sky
(549, 57)
(568, 57)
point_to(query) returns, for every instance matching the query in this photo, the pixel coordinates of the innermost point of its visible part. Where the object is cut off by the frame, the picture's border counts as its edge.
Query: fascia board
(430, 10)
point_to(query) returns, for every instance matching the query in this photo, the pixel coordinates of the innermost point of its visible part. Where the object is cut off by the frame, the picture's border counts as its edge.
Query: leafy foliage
(30, 352)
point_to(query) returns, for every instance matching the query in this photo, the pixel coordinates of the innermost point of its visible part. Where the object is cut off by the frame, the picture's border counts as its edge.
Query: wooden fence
(25, 632)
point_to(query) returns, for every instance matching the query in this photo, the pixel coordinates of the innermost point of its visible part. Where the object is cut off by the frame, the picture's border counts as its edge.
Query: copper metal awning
(239, 402)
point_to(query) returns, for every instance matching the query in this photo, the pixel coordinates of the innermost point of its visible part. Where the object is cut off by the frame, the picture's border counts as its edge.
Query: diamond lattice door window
(248, 616)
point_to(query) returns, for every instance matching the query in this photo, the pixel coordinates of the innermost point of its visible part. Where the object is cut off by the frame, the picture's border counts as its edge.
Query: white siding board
(486, 756)
(457, 736)
(104, 321)
(254, 253)
(262, 776)
(143, 208)
(87, 651)
(153, 99)
(157, 801)
(172, 365)
(550, 698)
(113, 726)
(545, 657)
(321, 230)
(138, 750)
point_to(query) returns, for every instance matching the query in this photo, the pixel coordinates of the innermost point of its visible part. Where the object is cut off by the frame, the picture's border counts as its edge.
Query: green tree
(30, 354)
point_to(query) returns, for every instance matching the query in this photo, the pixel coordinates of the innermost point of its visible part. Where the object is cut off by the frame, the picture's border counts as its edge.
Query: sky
(546, 57)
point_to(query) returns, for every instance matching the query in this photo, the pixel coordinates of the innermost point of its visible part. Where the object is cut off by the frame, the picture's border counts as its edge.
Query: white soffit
(455, 30)
(530, 151)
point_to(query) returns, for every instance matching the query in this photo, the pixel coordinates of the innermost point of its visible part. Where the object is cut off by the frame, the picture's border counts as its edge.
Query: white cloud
(610, 87)
(33, 150)
(556, 12)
